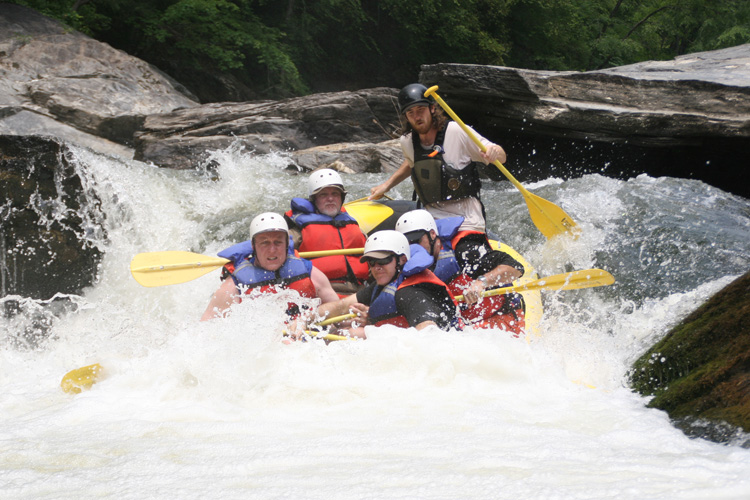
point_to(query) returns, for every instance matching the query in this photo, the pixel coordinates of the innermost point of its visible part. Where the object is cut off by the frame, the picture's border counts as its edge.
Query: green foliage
(288, 47)
(77, 14)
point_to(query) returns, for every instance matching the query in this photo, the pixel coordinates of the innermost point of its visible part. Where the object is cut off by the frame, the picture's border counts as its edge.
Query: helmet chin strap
(399, 266)
(432, 241)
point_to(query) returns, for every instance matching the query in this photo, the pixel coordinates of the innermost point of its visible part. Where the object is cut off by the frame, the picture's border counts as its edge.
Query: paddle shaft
(327, 336)
(326, 253)
(207, 262)
(586, 278)
(554, 224)
(337, 319)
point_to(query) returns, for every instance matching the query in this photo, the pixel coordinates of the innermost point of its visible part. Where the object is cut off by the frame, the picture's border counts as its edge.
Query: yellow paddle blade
(171, 267)
(81, 378)
(550, 219)
(586, 278)
(368, 214)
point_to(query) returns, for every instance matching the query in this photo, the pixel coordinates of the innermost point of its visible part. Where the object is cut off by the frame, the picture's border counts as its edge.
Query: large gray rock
(351, 157)
(183, 138)
(651, 103)
(57, 73)
(688, 118)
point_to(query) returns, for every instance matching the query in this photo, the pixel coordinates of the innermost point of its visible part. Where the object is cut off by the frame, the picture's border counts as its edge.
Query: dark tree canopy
(265, 48)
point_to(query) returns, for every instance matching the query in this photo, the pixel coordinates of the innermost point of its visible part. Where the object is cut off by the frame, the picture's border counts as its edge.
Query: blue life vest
(446, 267)
(295, 273)
(303, 213)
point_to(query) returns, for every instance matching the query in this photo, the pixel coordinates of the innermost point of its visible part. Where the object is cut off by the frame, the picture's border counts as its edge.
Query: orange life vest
(321, 232)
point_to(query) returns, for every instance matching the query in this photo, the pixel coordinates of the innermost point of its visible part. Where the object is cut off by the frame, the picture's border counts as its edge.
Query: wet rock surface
(48, 221)
(699, 373)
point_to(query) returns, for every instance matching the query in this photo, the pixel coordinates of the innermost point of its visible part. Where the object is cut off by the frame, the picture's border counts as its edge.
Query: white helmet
(323, 178)
(267, 222)
(383, 243)
(413, 223)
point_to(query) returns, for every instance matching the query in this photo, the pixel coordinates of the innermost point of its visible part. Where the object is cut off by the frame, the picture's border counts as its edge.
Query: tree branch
(642, 21)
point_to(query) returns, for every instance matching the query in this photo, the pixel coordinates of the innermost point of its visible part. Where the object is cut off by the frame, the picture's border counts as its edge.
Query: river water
(223, 409)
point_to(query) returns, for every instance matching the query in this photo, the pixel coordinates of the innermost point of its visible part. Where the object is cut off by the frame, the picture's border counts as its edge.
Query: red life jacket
(320, 232)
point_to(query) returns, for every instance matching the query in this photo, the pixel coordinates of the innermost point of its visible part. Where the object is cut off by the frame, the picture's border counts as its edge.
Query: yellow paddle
(586, 278)
(550, 219)
(171, 267)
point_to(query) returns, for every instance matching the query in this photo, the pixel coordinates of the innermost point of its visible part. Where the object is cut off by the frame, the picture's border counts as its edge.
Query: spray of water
(224, 409)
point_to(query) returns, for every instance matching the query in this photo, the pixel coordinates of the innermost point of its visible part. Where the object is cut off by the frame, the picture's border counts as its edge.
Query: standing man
(405, 292)
(466, 261)
(320, 222)
(442, 161)
(266, 264)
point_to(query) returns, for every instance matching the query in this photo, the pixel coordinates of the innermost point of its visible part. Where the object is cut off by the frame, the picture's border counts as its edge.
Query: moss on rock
(701, 369)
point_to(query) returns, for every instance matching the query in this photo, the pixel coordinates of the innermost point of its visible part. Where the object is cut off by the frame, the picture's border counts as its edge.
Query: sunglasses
(381, 262)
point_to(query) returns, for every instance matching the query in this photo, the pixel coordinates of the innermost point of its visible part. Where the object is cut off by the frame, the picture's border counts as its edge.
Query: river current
(224, 410)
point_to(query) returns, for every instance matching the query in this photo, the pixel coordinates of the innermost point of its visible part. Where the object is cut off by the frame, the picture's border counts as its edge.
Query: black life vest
(435, 180)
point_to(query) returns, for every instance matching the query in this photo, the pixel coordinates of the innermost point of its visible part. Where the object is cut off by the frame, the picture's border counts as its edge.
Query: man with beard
(443, 162)
(320, 222)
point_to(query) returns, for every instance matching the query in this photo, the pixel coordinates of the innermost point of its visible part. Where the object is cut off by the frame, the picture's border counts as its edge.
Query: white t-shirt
(460, 150)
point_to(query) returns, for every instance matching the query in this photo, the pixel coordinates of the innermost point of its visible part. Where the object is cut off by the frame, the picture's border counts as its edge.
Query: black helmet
(412, 95)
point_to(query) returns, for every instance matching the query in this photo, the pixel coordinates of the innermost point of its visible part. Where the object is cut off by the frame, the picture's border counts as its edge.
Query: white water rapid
(224, 410)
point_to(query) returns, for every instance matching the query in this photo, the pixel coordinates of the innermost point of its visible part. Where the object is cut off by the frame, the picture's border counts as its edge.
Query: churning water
(223, 409)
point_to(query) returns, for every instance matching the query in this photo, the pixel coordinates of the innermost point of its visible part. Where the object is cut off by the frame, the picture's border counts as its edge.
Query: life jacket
(513, 322)
(321, 232)
(383, 309)
(293, 275)
(446, 267)
(496, 311)
(435, 180)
